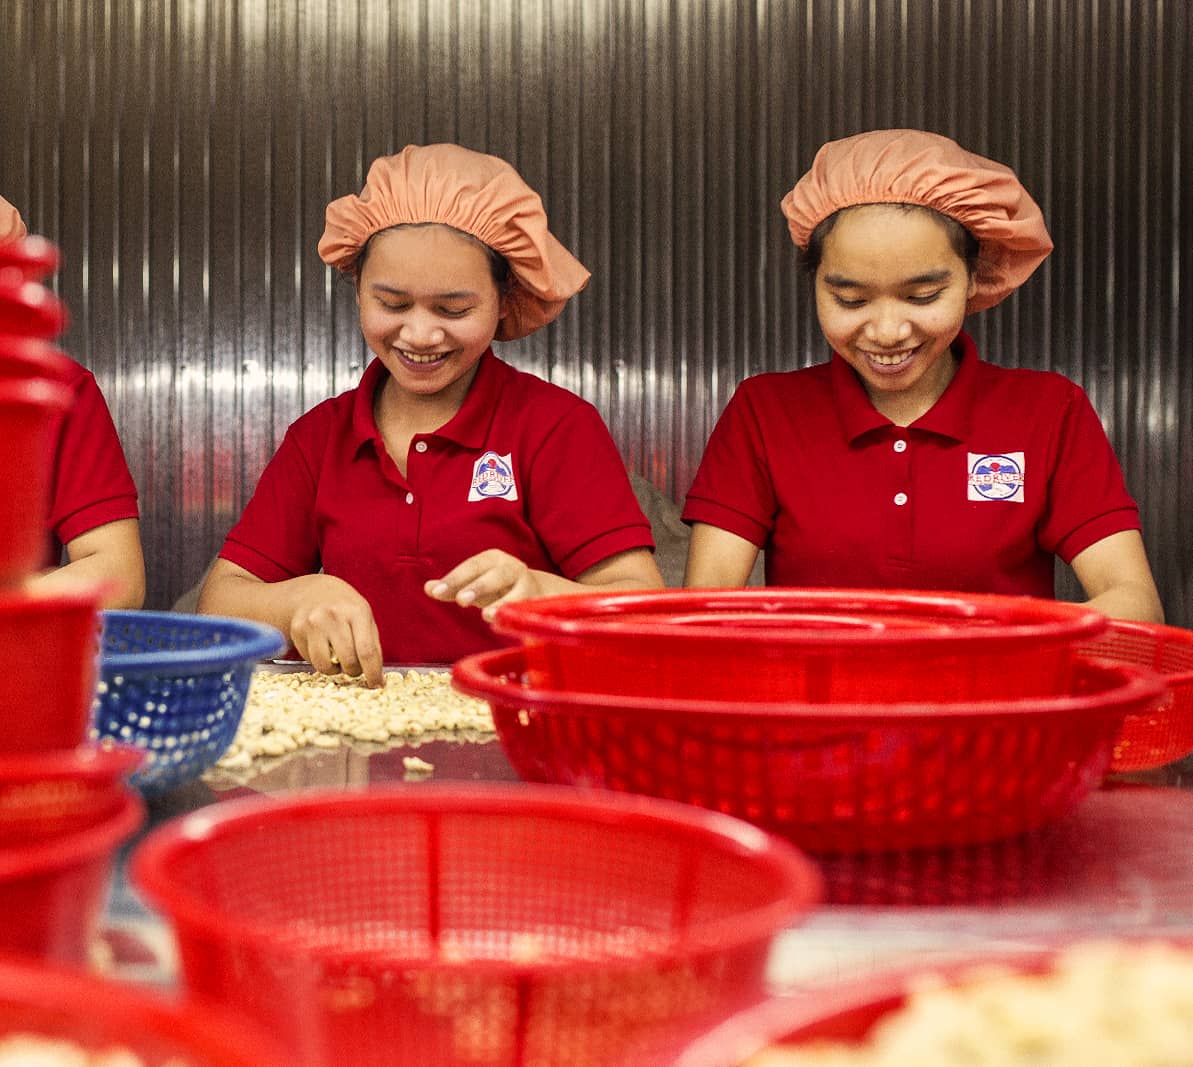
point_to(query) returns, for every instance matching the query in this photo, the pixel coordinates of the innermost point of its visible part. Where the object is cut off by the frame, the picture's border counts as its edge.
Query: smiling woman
(906, 461)
(397, 517)
(890, 295)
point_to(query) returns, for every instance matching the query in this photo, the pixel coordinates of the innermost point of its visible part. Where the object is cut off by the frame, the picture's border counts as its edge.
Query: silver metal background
(181, 152)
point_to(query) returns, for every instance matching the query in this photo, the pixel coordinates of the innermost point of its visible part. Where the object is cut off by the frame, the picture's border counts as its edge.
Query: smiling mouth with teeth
(890, 359)
(433, 357)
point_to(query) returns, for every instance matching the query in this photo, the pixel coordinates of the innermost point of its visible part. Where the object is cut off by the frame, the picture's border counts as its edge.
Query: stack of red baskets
(64, 804)
(845, 720)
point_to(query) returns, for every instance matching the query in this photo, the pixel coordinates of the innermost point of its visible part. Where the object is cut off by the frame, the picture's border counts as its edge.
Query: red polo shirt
(1009, 468)
(90, 485)
(524, 466)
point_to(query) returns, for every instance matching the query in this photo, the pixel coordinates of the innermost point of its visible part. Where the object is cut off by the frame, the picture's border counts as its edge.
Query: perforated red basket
(53, 890)
(452, 925)
(22, 358)
(29, 409)
(847, 1014)
(1164, 733)
(832, 777)
(46, 794)
(100, 1016)
(818, 645)
(50, 646)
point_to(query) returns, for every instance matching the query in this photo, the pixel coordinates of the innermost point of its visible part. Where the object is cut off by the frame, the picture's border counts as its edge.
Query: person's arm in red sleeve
(93, 510)
(110, 554)
(1095, 522)
(1115, 575)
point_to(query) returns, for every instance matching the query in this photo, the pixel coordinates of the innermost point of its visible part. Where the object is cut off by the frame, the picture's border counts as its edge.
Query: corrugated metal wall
(182, 153)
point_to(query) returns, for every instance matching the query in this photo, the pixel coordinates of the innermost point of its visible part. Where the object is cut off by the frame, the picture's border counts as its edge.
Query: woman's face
(891, 292)
(429, 307)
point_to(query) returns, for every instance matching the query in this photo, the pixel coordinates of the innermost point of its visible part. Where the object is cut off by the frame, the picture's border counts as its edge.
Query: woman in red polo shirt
(446, 481)
(93, 517)
(906, 461)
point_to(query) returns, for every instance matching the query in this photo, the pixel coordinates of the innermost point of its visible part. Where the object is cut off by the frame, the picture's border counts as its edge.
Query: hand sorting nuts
(285, 712)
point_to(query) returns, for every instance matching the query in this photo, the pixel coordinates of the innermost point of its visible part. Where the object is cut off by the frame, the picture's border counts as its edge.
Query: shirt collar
(950, 416)
(468, 427)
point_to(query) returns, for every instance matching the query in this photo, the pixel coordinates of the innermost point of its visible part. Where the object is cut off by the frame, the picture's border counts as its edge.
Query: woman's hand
(492, 578)
(486, 581)
(332, 627)
(324, 618)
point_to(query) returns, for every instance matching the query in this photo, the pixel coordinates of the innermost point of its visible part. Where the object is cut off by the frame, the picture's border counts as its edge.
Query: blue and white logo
(996, 476)
(493, 477)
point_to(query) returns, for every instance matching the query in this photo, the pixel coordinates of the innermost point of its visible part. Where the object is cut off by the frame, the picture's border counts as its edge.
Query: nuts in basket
(33, 1050)
(1124, 1003)
(285, 712)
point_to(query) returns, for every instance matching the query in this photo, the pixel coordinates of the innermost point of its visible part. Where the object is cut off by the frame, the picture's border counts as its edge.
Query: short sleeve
(1087, 496)
(733, 489)
(91, 484)
(581, 503)
(276, 537)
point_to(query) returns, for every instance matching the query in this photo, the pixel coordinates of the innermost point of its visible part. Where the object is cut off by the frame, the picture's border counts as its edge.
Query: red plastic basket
(33, 257)
(28, 411)
(102, 1016)
(473, 925)
(817, 645)
(57, 886)
(28, 357)
(28, 308)
(45, 795)
(832, 777)
(1163, 733)
(848, 1013)
(50, 646)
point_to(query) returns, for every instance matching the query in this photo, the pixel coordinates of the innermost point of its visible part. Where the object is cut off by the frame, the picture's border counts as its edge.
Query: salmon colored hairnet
(483, 196)
(915, 167)
(11, 226)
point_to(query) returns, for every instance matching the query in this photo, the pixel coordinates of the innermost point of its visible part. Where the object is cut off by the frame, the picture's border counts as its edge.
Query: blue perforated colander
(175, 686)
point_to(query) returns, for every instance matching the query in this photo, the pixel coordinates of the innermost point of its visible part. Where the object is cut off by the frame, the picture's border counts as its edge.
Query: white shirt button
(900, 446)
(410, 498)
(420, 446)
(900, 499)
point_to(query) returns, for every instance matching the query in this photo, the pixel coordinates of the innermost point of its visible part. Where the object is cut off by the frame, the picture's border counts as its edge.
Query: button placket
(420, 447)
(899, 515)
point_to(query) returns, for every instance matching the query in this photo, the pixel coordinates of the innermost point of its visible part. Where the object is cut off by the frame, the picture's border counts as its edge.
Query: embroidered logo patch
(493, 476)
(998, 476)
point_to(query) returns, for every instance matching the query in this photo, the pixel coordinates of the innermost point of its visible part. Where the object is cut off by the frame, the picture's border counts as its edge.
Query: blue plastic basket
(175, 685)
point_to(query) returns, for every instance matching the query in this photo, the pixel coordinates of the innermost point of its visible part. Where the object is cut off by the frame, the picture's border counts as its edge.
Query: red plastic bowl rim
(76, 848)
(32, 357)
(479, 675)
(585, 617)
(780, 1020)
(86, 597)
(34, 393)
(1161, 632)
(195, 1026)
(31, 251)
(151, 861)
(89, 762)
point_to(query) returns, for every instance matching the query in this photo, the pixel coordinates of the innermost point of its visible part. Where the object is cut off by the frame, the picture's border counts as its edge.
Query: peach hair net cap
(11, 226)
(483, 196)
(929, 170)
